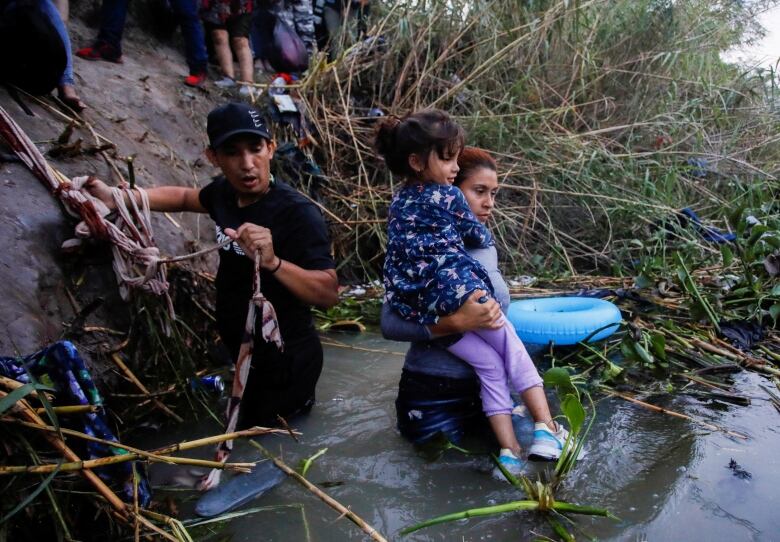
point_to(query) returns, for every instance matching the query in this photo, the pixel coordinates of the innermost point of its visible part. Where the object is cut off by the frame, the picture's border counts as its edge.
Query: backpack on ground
(283, 48)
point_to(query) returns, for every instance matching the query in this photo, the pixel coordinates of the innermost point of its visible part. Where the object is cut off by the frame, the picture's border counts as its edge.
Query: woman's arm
(395, 328)
(470, 316)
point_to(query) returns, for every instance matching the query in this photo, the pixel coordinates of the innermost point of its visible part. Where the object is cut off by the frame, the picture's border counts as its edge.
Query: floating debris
(738, 471)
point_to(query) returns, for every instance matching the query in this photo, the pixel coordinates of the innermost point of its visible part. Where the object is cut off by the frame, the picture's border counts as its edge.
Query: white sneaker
(246, 91)
(225, 82)
(547, 445)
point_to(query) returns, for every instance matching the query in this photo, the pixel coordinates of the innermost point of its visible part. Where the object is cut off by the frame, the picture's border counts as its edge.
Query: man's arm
(174, 198)
(312, 286)
(163, 198)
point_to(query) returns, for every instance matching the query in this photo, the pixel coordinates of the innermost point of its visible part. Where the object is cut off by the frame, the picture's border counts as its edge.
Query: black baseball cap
(232, 119)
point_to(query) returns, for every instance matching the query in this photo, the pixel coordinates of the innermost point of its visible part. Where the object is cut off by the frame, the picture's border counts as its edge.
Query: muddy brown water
(664, 477)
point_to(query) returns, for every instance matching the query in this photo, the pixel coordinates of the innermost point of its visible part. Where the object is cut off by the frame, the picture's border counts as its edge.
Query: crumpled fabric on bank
(60, 366)
(741, 333)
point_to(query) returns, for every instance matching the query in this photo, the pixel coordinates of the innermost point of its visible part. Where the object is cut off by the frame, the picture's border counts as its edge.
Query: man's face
(245, 160)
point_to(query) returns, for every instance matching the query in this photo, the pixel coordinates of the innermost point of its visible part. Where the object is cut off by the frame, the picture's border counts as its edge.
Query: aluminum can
(213, 384)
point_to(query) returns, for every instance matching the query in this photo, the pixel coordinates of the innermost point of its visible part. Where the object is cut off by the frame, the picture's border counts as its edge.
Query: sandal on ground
(225, 82)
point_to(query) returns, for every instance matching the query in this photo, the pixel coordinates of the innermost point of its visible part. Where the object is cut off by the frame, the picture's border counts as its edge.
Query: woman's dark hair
(471, 159)
(418, 133)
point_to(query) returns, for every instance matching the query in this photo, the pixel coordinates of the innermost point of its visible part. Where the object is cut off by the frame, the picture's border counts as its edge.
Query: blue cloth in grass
(60, 366)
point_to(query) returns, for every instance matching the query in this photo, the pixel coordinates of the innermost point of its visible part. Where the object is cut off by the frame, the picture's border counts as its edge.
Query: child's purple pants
(501, 363)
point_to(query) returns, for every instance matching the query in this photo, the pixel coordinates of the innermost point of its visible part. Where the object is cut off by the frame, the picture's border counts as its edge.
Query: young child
(229, 22)
(427, 271)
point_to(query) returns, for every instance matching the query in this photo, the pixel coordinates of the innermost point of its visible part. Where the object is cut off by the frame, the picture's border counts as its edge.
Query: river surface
(665, 478)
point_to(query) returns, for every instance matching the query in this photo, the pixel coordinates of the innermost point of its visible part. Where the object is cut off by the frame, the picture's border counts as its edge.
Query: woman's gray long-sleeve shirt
(429, 357)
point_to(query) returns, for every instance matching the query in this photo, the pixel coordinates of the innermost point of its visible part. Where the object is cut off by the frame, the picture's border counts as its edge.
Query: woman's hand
(255, 239)
(470, 316)
(100, 190)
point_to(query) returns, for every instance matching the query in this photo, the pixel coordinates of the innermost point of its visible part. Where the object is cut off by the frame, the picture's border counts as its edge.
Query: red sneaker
(101, 51)
(195, 79)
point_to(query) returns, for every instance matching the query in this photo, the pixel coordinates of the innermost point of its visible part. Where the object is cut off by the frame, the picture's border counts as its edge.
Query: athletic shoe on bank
(225, 82)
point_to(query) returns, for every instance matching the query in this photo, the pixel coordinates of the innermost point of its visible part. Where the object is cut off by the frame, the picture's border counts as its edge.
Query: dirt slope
(143, 108)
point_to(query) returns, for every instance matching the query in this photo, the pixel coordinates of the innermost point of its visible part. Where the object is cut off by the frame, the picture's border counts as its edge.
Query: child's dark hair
(417, 133)
(471, 159)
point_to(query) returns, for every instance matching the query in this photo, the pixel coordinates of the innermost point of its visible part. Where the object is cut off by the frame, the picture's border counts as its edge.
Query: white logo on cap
(255, 116)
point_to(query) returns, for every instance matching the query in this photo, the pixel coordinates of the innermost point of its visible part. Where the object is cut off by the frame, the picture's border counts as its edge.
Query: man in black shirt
(268, 217)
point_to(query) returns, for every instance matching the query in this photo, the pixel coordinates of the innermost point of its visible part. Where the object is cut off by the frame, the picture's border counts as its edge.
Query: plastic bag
(283, 48)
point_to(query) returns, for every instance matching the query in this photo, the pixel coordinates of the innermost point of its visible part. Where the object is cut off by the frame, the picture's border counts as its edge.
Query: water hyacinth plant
(539, 494)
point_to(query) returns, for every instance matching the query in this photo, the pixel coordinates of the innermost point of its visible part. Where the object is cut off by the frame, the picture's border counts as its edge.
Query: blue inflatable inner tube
(563, 320)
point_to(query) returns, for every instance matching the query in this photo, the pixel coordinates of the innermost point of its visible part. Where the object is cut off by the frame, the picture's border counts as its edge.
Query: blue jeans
(112, 23)
(50, 10)
(114, 13)
(192, 31)
(429, 405)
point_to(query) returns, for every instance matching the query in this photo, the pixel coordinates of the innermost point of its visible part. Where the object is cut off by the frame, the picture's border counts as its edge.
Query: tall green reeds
(604, 117)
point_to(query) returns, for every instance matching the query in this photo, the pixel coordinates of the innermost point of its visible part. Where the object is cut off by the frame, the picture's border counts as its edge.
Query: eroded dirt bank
(142, 107)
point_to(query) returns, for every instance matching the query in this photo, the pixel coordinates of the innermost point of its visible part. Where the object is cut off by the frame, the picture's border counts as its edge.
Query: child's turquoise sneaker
(510, 462)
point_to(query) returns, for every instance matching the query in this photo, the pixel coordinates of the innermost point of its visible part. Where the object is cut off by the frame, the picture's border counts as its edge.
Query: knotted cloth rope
(136, 257)
(137, 262)
(269, 328)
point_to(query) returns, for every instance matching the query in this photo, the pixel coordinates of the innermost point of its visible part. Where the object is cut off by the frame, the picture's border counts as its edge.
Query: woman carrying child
(429, 275)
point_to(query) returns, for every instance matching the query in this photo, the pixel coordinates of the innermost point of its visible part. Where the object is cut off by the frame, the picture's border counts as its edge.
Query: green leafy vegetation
(540, 495)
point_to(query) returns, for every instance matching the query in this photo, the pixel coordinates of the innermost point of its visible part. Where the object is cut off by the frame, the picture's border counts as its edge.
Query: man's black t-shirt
(299, 236)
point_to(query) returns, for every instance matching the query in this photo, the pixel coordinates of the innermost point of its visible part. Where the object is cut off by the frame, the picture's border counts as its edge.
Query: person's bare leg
(245, 62)
(536, 402)
(505, 433)
(222, 51)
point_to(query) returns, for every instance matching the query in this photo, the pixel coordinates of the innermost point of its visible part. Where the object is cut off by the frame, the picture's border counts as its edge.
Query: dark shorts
(237, 26)
(428, 405)
(281, 383)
